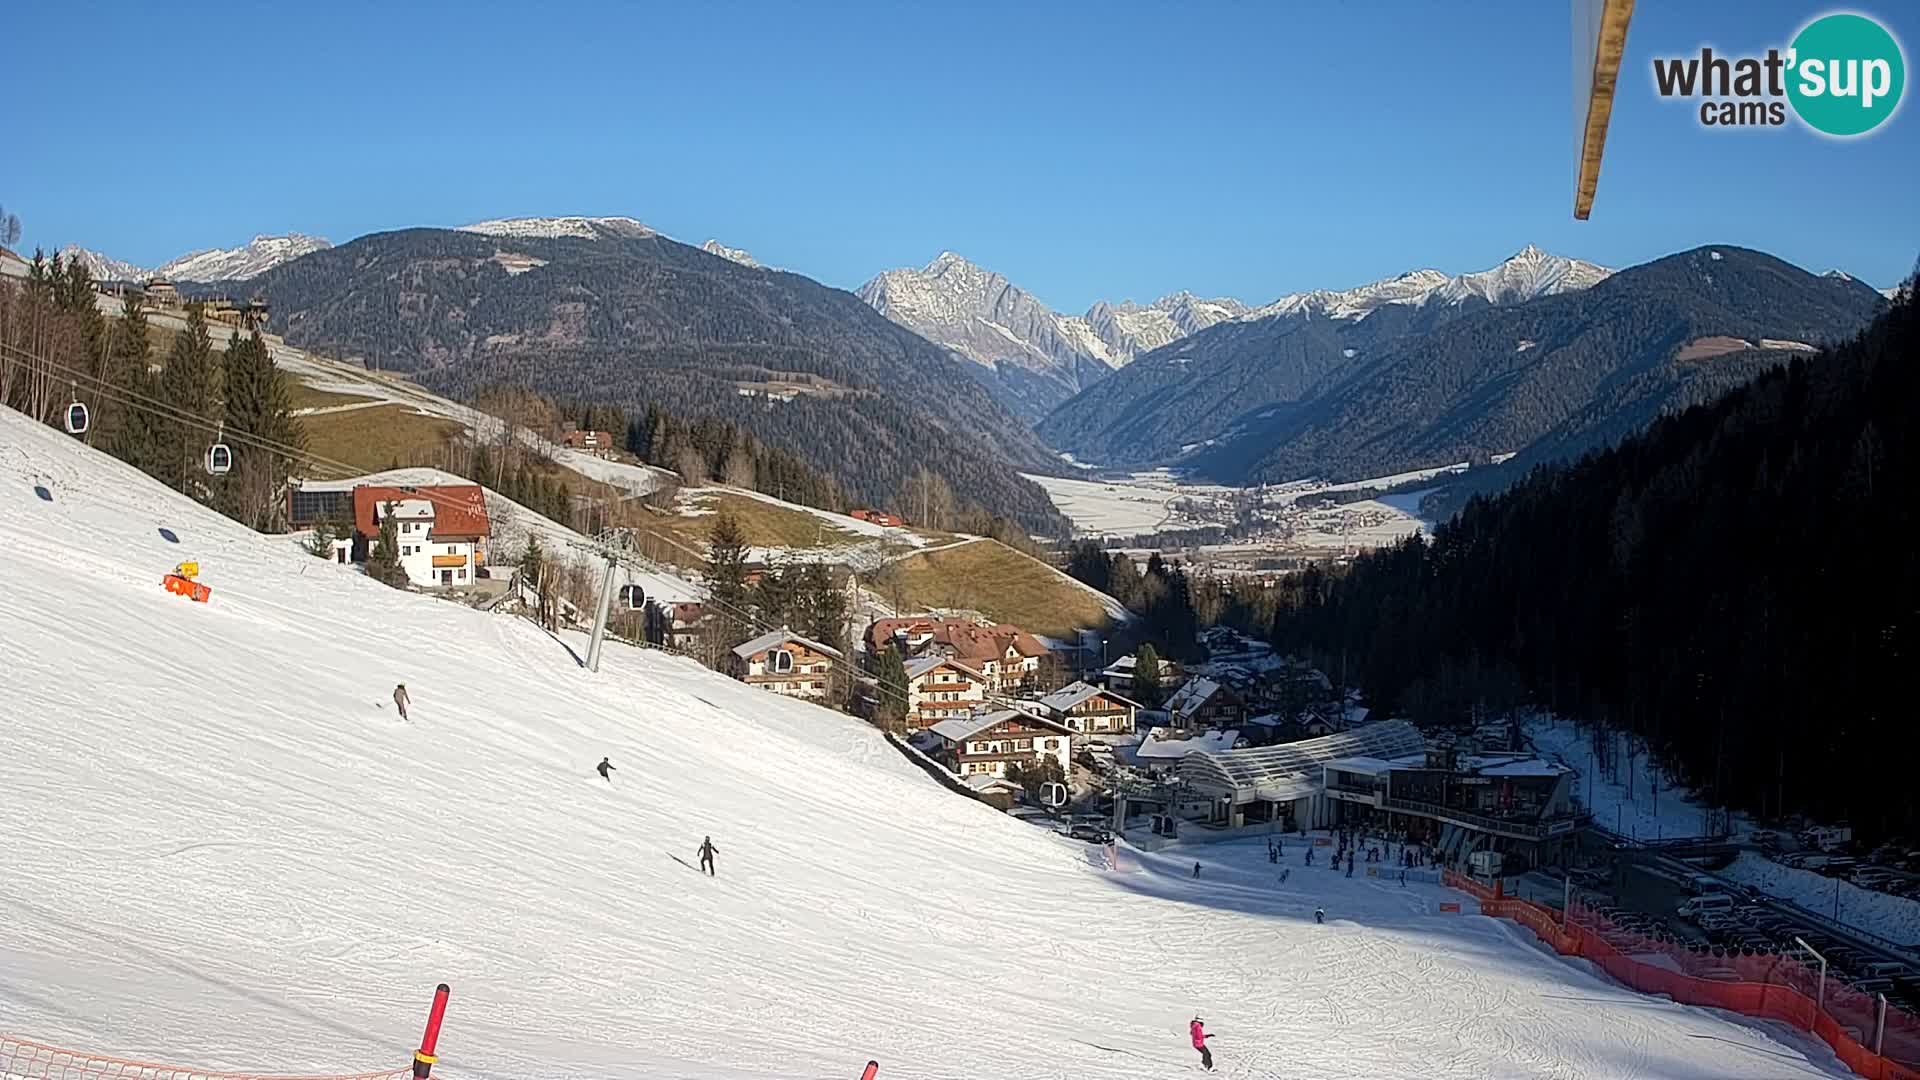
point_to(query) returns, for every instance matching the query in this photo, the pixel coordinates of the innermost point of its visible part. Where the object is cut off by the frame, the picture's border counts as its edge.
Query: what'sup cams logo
(1842, 76)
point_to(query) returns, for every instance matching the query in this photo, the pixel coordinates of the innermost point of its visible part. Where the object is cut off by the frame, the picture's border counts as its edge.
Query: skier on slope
(1200, 1037)
(401, 700)
(1319, 915)
(1196, 869)
(605, 767)
(707, 851)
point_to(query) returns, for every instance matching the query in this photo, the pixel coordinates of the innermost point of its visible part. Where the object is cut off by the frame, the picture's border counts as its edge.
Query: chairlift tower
(617, 547)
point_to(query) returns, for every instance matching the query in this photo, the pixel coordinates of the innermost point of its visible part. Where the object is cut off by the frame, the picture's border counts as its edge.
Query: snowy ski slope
(221, 849)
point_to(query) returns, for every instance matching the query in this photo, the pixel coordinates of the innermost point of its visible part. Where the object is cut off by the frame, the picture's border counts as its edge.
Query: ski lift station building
(1386, 776)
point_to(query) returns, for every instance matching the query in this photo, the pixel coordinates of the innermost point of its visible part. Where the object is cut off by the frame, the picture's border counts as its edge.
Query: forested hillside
(636, 319)
(1739, 585)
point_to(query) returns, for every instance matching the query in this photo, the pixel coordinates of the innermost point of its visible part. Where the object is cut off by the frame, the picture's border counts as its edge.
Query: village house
(1118, 676)
(1161, 752)
(1090, 710)
(441, 530)
(597, 443)
(878, 517)
(1006, 655)
(986, 745)
(939, 688)
(1204, 703)
(682, 624)
(162, 293)
(332, 507)
(784, 663)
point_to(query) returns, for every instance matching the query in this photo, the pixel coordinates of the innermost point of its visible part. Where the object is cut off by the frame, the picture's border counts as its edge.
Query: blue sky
(1085, 150)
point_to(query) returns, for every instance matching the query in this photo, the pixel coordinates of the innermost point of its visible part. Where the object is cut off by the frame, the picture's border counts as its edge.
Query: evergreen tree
(257, 405)
(825, 606)
(727, 579)
(777, 598)
(890, 709)
(1146, 676)
(320, 544)
(383, 562)
(187, 387)
(134, 436)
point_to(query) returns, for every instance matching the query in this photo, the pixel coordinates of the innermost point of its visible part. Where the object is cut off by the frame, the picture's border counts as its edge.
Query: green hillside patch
(765, 524)
(377, 438)
(302, 396)
(995, 580)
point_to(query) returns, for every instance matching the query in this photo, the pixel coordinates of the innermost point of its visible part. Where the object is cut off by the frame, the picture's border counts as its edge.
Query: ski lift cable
(625, 555)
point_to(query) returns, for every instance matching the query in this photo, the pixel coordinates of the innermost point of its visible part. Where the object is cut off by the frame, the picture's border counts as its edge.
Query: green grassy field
(764, 524)
(373, 439)
(995, 580)
(303, 396)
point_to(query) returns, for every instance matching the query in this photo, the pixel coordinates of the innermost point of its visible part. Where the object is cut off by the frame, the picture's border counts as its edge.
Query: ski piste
(255, 844)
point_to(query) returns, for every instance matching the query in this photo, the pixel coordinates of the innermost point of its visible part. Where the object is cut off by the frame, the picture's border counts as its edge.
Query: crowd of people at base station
(1360, 845)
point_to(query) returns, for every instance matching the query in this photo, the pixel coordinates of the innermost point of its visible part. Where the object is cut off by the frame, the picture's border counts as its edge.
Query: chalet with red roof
(1007, 656)
(442, 530)
(597, 443)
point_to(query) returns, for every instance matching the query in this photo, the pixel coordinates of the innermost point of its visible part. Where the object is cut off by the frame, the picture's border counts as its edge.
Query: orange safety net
(24, 1059)
(1762, 984)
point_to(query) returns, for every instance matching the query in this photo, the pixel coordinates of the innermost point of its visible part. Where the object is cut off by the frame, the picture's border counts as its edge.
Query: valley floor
(224, 849)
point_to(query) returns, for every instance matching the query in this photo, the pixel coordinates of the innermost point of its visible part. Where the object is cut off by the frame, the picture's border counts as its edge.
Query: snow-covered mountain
(1037, 357)
(103, 267)
(587, 228)
(731, 254)
(1040, 356)
(1529, 273)
(255, 257)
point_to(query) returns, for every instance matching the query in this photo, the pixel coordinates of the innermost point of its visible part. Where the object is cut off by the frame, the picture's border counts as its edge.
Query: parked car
(1717, 904)
(1827, 837)
(1090, 832)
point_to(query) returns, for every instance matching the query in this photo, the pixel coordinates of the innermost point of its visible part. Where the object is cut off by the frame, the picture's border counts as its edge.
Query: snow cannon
(181, 583)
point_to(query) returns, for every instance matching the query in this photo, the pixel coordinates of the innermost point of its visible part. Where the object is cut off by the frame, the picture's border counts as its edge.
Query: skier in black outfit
(706, 855)
(603, 769)
(1319, 915)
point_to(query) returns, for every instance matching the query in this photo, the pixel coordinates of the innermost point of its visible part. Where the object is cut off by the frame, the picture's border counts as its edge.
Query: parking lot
(1645, 891)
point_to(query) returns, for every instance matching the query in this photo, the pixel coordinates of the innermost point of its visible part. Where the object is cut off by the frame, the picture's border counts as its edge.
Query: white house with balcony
(988, 744)
(440, 531)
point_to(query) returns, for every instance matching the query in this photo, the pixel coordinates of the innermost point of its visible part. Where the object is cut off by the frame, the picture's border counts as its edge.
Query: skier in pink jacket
(1200, 1038)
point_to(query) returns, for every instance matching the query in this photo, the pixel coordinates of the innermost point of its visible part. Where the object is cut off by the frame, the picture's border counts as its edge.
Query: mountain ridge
(610, 310)
(1555, 376)
(242, 263)
(995, 324)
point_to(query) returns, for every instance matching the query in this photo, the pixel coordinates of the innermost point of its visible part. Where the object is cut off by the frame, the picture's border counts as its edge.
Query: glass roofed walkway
(1287, 783)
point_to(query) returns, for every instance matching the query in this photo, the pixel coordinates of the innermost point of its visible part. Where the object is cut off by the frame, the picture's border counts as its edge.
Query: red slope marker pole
(423, 1058)
(873, 1070)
